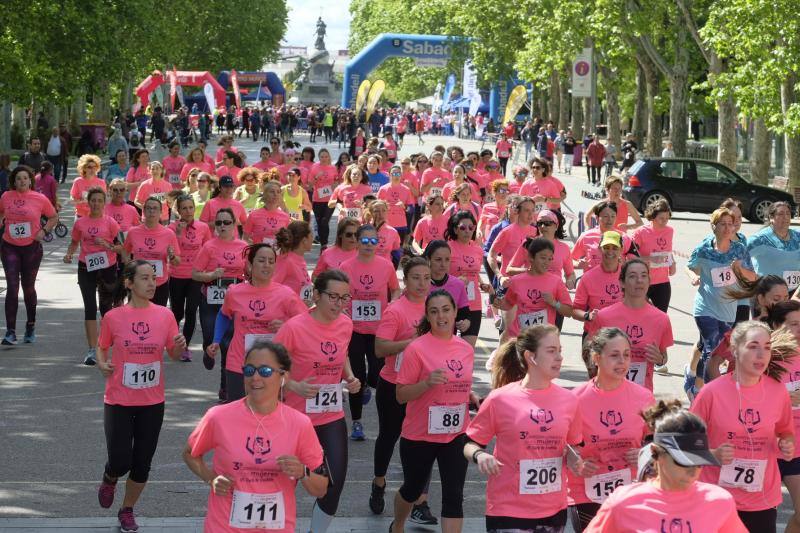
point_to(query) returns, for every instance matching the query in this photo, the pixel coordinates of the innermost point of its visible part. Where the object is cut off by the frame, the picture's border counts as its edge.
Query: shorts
(789, 468)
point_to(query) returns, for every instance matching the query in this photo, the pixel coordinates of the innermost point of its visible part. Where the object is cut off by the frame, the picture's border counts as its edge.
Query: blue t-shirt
(376, 181)
(772, 255)
(716, 277)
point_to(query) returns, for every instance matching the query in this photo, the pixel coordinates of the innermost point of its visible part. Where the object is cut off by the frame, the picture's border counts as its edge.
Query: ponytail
(509, 361)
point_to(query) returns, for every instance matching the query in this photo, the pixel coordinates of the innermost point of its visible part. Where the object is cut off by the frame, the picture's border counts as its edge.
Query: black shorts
(474, 324)
(555, 522)
(789, 468)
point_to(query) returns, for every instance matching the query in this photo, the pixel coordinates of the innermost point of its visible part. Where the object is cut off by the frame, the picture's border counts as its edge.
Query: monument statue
(316, 84)
(320, 43)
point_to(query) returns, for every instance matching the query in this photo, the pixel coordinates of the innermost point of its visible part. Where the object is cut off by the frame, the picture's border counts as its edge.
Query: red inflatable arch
(184, 77)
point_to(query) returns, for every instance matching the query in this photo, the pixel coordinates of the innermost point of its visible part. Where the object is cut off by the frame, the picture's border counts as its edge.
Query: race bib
(445, 419)
(398, 360)
(502, 154)
(722, 276)
(792, 386)
(251, 338)
(158, 266)
(96, 261)
(141, 376)
(295, 215)
(307, 292)
(353, 212)
(744, 474)
(540, 476)
(160, 196)
(435, 191)
(215, 295)
(532, 318)
(637, 372)
(257, 511)
(470, 290)
(175, 179)
(600, 487)
(792, 278)
(327, 400)
(20, 230)
(84, 195)
(366, 310)
(324, 192)
(661, 259)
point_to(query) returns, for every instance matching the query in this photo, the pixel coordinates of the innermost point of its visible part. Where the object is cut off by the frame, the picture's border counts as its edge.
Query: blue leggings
(21, 262)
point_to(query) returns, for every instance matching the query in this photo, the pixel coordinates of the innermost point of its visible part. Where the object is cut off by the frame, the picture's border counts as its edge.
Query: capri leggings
(417, 458)
(208, 317)
(549, 524)
(161, 297)
(660, 295)
(184, 298)
(98, 282)
(390, 423)
(361, 353)
(131, 439)
(333, 439)
(322, 214)
(20, 262)
(581, 514)
(763, 521)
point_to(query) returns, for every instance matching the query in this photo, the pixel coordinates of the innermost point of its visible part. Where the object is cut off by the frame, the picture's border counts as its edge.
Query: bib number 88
(451, 420)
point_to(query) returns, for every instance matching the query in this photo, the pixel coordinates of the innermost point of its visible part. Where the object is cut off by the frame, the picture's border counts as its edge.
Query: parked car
(699, 186)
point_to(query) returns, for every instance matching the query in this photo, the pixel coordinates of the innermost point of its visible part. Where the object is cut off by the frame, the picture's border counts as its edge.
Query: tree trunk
(78, 114)
(564, 99)
(759, 160)
(555, 97)
(5, 126)
(791, 163)
(640, 106)
(101, 102)
(653, 144)
(678, 94)
(726, 118)
(18, 128)
(577, 119)
(536, 111)
(543, 104)
(612, 107)
(126, 95)
(588, 127)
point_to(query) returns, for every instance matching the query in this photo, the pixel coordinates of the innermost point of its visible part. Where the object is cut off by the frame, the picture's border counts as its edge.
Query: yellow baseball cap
(611, 237)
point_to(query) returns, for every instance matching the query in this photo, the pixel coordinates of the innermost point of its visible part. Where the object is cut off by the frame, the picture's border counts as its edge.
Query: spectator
(119, 168)
(116, 143)
(56, 151)
(86, 144)
(668, 151)
(67, 137)
(595, 156)
(33, 157)
(141, 124)
(157, 124)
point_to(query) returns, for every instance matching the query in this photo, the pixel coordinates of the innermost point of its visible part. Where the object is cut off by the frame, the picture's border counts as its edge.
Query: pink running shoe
(127, 522)
(105, 493)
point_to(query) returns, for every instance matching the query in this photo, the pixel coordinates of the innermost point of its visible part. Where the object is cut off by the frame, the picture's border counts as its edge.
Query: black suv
(699, 186)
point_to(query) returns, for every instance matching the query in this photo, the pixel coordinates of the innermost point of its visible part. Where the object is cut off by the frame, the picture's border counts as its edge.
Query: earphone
(533, 361)
(282, 382)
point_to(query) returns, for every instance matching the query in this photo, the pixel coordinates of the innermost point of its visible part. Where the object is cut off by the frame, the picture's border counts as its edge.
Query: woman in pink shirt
(130, 351)
(511, 237)
(262, 449)
(225, 144)
(155, 187)
(399, 198)
(612, 427)
(139, 171)
(88, 167)
(173, 165)
(435, 381)
(223, 198)
(351, 193)
(492, 212)
(256, 309)
(196, 159)
(318, 341)
(435, 178)
(184, 292)
(536, 424)
(674, 500)
(430, 227)
(343, 249)
(503, 148)
(123, 213)
(263, 224)
(388, 239)
(97, 235)
(322, 179)
(294, 241)
(459, 178)
(547, 224)
(586, 252)
(229, 166)
(460, 201)
(654, 242)
(264, 163)
(625, 208)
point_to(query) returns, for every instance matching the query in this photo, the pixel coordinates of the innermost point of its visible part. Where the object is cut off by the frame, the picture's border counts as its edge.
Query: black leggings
(417, 458)
(234, 385)
(549, 524)
(390, 424)
(660, 295)
(333, 439)
(184, 299)
(361, 353)
(131, 439)
(760, 521)
(97, 283)
(581, 514)
(21, 262)
(208, 317)
(161, 297)
(322, 214)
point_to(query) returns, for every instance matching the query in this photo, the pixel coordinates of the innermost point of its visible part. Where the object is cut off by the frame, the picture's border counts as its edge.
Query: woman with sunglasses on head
(343, 249)
(154, 187)
(97, 234)
(195, 159)
(218, 265)
(546, 224)
(262, 448)
(322, 179)
(749, 418)
(139, 172)
(136, 334)
(373, 282)
(318, 341)
(249, 192)
(256, 309)
(350, 194)
(586, 252)
(295, 197)
(155, 244)
(399, 199)
(435, 384)
(264, 223)
(88, 169)
(223, 198)
(184, 292)
(293, 242)
(389, 244)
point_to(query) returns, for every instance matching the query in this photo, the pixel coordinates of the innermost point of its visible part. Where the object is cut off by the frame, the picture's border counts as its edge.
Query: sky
(303, 15)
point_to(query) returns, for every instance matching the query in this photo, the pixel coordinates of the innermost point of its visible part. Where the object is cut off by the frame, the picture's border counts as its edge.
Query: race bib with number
(307, 292)
(435, 191)
(353, 212)
(215, 295)
(637, 372)
(141, 376)
(722, 276)
(470, 290)
(158, 266)
(295, 215)
(174, 178)
(257, 511)
(327, 400)
(600, 487)
(366, 310)
(445, 419)
(20, 230)
(540, 476)
(398, 360)
(792, 278)
(792, 386)
(96, 261)
(744, 474)
(160, 196)
(533, 318)
(251, 338)
(324, 192)
(660, 259)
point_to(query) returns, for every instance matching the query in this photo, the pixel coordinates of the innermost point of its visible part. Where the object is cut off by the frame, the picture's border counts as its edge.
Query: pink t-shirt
(490, 215)
(332, 257)
(233, 172)
(441, 413)
(508, 240)
(191, 240)
(597, 289)
(466, 261)
(588, 247)
(791, 378)
(351, 196)
(123, 214)
(136, 176)
(561, 265)
(545, 187)
(227, 255)
(204, 167)
(430, 229)
(437, 178)
(370, 284)
(644, 326)
(252, 309)
(172, 170)
(611, 424)
(22, 214)
(79, 191)
(221, 153)
(393, 194)
(645, 508)
(137, 338)
(657, 244)
(265, 165)
(291, 270)
(503, 149)
(749, 418)
(156, 188)
(398, 323)
(262, 225)
(319, 352)
(246, 447)
(391, 148)
(388, 241)
(448, 189)
(324, 178)
(86, 230)
(525, 292)
(532, 428)
(209, 212)
(152, 246)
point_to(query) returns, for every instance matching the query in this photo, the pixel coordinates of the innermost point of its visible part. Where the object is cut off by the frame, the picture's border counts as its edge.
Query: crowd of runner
(426, 247)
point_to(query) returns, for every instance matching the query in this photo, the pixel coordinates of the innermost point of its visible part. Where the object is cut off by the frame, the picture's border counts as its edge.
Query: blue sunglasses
(264, 371)
(369, 240)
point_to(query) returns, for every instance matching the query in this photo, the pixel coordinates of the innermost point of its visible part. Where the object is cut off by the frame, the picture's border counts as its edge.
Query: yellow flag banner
(374, 95)
(361, 95)
(517, 97)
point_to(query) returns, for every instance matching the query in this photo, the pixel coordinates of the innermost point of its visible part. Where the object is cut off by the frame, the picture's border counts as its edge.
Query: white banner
(474, 103)
(208, 90)
(470, 85)
(582, 71)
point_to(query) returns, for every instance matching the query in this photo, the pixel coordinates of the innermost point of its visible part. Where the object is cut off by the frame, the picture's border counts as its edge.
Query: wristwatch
(586, 316)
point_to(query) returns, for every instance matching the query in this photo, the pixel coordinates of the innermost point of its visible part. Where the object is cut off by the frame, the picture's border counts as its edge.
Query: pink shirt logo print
(141, 329)
(750, 418)
(676, 525)
(366, 281)
(534, 295)
(634, 332)
(259, 447)
(150, 242)
(229, 257)
(329, 348)
(543, 418)
(257, 307)
(611, 419)
(456, 367)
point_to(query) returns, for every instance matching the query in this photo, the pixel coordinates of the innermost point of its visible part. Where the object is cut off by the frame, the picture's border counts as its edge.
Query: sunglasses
(492, 167)
(502, 191)
(546, 223)
(536, 167)
(336, 298)
(396, 174)
(369, 240)
(264, 371)
(118, 190)
(202, 181)
(466, 227)
(522, 173)
(223, 222)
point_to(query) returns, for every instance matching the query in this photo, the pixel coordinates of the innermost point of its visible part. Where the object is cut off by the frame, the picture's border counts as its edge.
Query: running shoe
(208, 362)
(91, 357)
(661, 369)
(367, 396)
(376, 502)
(10, 339)
(30, 335)
(688, 383)
(127, 522)
(105, 493)
(358, 432)
(186, 356)
(421, 514)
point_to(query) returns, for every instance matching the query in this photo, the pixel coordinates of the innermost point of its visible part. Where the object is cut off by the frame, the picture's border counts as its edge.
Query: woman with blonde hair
(88, 170)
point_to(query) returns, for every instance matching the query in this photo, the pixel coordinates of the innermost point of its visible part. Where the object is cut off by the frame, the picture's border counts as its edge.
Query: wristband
(586, 316)
(475, 455)
(557, 305)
